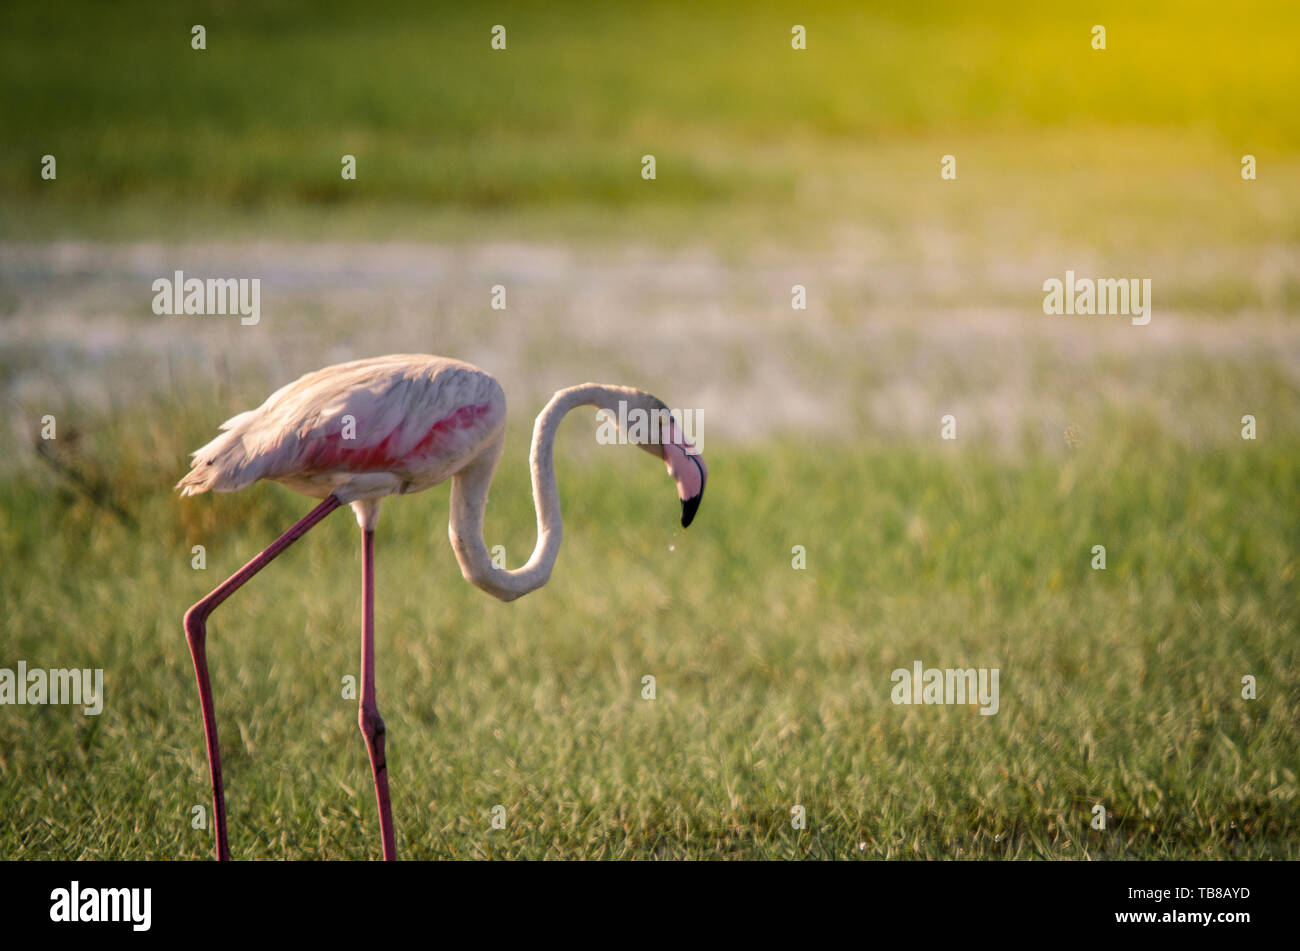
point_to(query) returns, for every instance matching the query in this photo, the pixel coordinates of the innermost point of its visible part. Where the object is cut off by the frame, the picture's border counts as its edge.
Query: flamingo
(355, 433)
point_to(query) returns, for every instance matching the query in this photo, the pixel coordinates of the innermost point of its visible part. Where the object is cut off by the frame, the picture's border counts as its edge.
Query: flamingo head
(663, 438)
(685, 465)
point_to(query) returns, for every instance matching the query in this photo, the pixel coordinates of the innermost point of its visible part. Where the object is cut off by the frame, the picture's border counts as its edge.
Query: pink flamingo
(354, 433)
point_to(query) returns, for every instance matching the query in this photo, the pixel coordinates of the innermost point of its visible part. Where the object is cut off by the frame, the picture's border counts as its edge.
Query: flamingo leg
(368, 718)
(196, 633)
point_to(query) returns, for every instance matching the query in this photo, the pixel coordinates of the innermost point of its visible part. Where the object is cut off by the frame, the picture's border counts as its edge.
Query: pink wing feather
(418, 418)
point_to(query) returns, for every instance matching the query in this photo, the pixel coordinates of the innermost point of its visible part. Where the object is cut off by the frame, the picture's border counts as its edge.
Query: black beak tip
(689, 508)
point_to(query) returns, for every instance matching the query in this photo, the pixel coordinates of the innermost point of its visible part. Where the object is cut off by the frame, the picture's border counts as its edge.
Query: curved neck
(469, 493)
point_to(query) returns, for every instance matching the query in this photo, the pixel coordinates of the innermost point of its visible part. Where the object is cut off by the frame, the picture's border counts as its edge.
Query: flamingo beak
(689, 472)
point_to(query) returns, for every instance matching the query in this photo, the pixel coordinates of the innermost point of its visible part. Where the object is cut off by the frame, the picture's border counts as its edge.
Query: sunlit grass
(1119, 687)
(1051, 136)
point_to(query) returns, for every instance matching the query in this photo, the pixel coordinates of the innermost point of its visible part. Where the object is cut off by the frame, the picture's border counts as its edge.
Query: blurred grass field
(156, 139)
(1120, 687)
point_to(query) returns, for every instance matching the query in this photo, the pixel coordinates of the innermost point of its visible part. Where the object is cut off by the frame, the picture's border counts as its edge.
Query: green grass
(155, 138)
(1119, 686)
